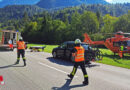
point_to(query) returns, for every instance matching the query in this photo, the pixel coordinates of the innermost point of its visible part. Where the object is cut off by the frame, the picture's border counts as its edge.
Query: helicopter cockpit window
(128, 43)
(124, 43)
(116, 44)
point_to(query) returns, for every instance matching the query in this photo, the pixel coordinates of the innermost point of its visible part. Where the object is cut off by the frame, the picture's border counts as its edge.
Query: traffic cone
(1, 80)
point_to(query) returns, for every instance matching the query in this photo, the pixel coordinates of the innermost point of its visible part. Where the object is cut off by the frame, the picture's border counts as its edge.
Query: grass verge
(110, 59)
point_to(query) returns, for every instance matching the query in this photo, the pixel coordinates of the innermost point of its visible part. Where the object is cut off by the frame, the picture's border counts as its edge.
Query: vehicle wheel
(99, 55)
(54, 55)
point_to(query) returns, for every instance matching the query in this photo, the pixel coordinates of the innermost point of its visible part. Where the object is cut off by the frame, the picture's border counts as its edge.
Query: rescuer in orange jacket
(121, 51)
(21, 51)
(78, 53)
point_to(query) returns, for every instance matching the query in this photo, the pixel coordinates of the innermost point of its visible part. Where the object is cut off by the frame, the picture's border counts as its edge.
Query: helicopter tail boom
(89, 41)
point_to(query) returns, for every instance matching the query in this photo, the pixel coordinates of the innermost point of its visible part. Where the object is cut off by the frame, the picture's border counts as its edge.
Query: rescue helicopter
(113, 43)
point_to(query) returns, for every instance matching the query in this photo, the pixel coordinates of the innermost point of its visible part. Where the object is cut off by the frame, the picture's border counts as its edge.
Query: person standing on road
(21, 51)
(10, 42)
(78, 53)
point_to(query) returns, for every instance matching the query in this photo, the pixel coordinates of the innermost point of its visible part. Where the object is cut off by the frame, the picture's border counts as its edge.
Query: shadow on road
(6, 51)
(67, 86)
(60, 61)
(92, 65)
(68, 63)
(8, 66)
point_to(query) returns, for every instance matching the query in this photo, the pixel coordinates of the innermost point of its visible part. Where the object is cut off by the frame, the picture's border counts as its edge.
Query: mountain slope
(65, 3)
(95, 1)
(17, 2)
(57, 3)
(17, 11)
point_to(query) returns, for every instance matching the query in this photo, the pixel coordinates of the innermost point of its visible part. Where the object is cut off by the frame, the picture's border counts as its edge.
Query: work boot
(17, 62)
(85, 82)
(24, 63)
(70, 76)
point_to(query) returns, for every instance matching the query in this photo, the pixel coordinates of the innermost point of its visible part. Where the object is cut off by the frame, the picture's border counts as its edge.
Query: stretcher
(36, 48)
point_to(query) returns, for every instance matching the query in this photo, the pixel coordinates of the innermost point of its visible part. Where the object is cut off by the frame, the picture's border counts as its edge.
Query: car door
(68, 50)
(61, 50)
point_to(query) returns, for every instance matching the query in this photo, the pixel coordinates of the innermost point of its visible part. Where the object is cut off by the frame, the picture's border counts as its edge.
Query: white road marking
(55, 68)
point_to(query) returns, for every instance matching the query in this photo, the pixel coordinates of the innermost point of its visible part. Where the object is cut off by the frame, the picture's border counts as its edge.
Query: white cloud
(118, 1)
(121, 1)
(109, 1)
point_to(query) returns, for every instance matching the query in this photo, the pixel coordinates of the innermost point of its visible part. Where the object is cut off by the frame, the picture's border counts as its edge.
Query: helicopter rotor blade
(126, 33)
(108, 33)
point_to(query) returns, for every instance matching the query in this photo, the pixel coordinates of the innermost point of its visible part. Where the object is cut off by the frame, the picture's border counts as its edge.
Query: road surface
(45, 73)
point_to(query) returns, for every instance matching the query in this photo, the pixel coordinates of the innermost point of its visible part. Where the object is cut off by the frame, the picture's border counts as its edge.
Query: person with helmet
(121, 51)
(78, 53)
(21, 51)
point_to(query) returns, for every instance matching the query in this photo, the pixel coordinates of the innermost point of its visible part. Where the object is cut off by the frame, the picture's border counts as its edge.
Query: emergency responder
(10, 42)
(121, 51)
(121, 47)
(78, 53)
(21, 51)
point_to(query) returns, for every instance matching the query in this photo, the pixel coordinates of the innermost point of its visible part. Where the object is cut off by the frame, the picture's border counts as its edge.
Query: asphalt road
(45, 73)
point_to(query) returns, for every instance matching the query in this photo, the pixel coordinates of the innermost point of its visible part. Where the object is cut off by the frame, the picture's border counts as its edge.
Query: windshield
(128, 43)
(86, 47)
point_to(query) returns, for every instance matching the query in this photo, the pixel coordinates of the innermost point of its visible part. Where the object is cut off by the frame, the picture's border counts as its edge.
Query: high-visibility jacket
(20, 45)
(122, 48)
(79, 55)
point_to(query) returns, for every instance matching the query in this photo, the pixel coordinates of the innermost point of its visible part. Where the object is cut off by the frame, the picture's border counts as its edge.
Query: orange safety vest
(20, 45)
(79, 55)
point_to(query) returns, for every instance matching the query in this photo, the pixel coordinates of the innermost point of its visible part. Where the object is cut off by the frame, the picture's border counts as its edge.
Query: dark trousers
(82, 66)
(21, 53)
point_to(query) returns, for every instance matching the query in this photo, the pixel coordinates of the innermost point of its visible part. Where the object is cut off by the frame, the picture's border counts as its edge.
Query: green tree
(122, 24)
(108, 23)
(89, 22)
(74, 30)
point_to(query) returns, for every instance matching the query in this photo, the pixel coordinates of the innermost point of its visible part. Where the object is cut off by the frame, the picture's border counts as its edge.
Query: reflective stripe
(80, 54)
(79, 57)
(24, 58)
(85, 76)
(73, 72)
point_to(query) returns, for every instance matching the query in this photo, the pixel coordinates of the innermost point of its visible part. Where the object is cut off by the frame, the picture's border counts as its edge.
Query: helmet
(77, 41)
(20, 39)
